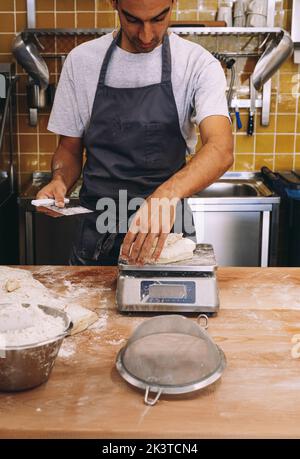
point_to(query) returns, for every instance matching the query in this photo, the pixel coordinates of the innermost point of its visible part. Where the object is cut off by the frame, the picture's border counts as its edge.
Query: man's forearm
(67, 164)
(207, 165)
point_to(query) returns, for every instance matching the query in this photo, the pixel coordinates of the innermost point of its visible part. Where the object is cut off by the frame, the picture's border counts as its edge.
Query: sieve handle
(149, 401)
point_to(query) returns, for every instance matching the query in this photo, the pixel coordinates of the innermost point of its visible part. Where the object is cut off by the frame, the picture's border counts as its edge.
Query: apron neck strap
(166, 60)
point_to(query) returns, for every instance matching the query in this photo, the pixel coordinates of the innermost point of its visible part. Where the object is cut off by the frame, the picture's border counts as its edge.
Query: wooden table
(257, 396)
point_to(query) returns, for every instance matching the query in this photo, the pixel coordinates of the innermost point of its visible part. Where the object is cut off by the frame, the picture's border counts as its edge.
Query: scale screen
(168, 291)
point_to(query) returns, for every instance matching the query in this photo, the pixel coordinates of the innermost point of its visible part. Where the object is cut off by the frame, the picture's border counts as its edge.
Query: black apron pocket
(153, 135)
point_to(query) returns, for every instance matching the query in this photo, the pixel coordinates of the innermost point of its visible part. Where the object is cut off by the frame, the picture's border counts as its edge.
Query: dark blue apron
(134, 143)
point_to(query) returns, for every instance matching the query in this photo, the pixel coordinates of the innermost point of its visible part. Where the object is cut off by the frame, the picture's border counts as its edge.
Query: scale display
(168, 292)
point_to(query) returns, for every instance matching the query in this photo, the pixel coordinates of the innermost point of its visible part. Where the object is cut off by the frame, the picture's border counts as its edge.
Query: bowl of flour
(30, 338)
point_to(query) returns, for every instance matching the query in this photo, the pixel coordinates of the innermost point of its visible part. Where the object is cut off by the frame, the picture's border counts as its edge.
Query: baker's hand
(55, 189)
(149, 229)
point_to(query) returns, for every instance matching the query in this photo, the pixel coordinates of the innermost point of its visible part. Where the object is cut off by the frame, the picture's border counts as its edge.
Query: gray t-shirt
(198, 81)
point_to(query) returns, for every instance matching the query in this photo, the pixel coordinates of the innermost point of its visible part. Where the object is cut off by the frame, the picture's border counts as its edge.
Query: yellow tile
(24, 126)
(285, 123)
(85, 5)
(106, 20)
(45, 162)
(286, 83)
(286, 103)
(28, 163)
(65, 20)
(264, 143)
(289, 66)
(7, 22)
(21, 21)
(298, 124)
(298, 144)
(47, 143)
(273, 103)
(283, 162)
(45, 20)
(244, 163)
(189, 15)
(85, 20)
(287, 20)
(287, 4)
(297, 162)
(45, 5)
(5, 57)
(284, 144)
(187, 4)
(43, 123)
(28, 143)
(20, 5)
(7, 5)
(24, 180)
(244, 144)
(265, 129)
(263, 160)
(65, 5)
(104, 5)
(6, 41)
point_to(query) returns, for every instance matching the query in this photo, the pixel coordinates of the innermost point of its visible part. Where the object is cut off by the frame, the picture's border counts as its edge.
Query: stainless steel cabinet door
(235, 236)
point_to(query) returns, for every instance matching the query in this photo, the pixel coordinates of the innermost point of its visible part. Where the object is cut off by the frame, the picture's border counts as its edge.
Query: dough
(176, 248)
(295, 351)
(18, 286)
(12, 285)
(81, 318)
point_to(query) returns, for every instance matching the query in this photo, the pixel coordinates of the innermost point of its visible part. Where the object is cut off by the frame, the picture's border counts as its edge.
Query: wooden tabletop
(257, 396)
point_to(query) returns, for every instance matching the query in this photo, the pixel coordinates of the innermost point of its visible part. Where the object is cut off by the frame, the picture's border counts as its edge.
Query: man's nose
(146, 33)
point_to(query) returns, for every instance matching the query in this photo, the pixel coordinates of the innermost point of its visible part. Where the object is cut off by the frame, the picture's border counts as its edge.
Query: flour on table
(29, 291)
(81, 317)
(67, 349)
(18, 287)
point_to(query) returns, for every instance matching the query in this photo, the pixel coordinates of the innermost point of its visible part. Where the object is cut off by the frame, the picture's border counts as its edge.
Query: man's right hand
(55, 189)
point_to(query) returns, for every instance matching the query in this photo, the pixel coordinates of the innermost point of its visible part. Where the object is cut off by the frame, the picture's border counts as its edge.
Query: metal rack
(265, 34)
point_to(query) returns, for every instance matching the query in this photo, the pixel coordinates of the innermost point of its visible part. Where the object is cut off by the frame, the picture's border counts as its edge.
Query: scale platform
(183, 286)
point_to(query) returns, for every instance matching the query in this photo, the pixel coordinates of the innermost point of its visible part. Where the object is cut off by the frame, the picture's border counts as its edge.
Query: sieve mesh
(170, 351)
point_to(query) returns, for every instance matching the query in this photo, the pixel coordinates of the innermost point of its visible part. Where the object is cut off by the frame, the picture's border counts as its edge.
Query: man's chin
(145, 49)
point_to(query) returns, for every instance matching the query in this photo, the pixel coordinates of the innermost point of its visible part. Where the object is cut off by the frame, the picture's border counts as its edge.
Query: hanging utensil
(252, 90)
(277, 51)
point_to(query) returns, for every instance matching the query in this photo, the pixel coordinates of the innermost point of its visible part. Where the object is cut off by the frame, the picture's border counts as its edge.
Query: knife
(46, 202)
(250, 128)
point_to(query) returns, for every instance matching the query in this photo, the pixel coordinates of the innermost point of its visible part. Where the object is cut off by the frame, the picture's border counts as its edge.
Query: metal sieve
(170, 354)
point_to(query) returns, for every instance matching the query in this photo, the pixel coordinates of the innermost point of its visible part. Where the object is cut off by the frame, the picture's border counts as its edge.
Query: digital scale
(183, 286)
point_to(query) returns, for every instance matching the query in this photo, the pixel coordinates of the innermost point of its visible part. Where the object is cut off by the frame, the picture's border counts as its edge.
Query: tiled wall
(277, 146)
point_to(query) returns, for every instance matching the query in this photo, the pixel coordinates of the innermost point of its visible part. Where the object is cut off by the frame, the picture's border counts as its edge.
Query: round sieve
(170, 354)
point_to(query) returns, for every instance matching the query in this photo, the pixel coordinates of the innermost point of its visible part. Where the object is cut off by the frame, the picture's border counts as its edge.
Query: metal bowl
(28, 366)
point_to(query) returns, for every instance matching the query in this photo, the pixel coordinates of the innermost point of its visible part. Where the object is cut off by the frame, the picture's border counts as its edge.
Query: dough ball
(11, 285)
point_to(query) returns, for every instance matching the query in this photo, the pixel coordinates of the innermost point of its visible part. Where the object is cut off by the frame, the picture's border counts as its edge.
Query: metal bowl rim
(166, 389)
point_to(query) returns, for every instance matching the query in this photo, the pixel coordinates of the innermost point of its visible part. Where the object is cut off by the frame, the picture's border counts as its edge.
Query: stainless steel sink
(234, 187)
(228, 190)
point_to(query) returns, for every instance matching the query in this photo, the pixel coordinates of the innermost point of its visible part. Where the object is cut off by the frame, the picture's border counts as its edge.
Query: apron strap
(166, 60)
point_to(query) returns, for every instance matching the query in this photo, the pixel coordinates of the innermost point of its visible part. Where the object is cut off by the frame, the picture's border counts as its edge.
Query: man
(132, 99)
